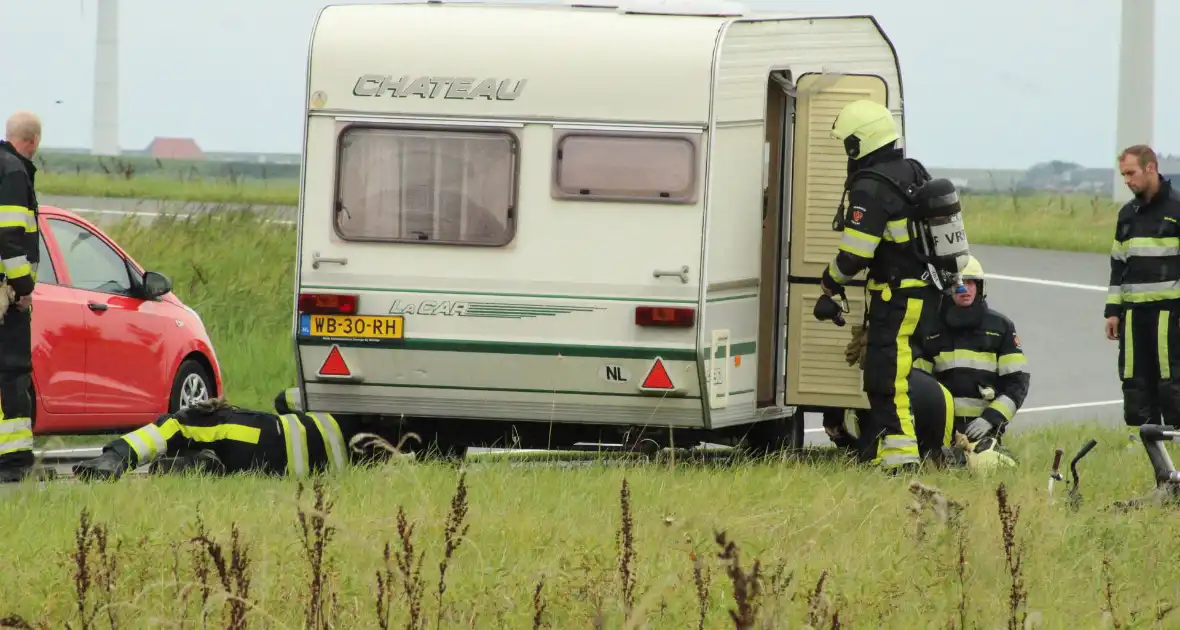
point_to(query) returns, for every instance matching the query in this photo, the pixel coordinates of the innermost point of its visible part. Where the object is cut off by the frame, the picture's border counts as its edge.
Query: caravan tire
(441, 445)
(775, 436)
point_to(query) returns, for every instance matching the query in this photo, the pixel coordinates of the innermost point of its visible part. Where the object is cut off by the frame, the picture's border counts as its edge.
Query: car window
(91, 263)
(45, 272)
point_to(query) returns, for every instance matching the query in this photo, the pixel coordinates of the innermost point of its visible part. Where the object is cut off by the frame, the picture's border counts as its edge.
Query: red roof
(175, 149)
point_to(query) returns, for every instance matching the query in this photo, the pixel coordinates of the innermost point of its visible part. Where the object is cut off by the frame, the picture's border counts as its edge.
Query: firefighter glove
(979, 428)
(854, 352)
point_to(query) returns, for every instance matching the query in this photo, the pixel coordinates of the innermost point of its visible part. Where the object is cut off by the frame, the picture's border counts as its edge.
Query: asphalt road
(1055, 299)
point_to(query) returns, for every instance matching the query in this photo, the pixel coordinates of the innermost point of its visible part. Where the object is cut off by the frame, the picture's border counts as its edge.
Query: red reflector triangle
(658, 377)
(334, 365)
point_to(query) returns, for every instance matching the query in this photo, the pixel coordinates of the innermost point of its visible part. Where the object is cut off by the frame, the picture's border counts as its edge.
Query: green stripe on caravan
(536, 349)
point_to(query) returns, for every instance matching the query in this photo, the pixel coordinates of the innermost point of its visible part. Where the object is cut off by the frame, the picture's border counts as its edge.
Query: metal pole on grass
(1136, 84)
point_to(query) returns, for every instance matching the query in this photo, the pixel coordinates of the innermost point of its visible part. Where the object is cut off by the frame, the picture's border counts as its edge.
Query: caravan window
(623, 166)
(454, 187)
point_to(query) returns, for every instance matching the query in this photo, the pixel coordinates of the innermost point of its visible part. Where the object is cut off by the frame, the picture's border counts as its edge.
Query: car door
(125, 357)
(59, 341)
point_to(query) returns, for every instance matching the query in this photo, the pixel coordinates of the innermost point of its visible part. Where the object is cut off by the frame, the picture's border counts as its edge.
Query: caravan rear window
(430, 186)
(619, 166)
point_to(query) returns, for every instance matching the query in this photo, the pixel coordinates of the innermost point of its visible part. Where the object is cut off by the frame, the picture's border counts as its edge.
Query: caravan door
(772, 319)
(817, 374)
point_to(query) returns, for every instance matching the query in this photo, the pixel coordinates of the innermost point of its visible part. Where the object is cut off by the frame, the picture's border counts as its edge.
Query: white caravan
(533, 225)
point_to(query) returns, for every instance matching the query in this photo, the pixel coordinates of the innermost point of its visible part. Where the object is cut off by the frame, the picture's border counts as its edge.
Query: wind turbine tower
(105, 132)
(1136, 87)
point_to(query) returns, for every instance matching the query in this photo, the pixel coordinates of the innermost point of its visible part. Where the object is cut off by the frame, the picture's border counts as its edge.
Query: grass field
(835, 547)
(815, 544)
(1059, 222)
(245, 190)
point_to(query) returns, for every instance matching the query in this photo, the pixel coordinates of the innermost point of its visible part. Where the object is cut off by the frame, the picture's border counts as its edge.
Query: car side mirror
(155, 284)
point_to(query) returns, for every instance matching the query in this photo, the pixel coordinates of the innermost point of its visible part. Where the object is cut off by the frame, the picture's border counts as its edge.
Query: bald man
(19, 255)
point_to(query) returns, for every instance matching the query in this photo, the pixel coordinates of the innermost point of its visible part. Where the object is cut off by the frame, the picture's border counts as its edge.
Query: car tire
(192, 384)
(32, 406)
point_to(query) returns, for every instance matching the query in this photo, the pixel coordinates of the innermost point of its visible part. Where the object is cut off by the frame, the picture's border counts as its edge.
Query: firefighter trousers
(1149, 365)
(16, 382)
(933, 410)
(895, 316)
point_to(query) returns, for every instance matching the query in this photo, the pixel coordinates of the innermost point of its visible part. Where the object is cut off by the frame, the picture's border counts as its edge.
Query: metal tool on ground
(1167, 479)
(1055, 475)
(1074, 500)
(57, 464)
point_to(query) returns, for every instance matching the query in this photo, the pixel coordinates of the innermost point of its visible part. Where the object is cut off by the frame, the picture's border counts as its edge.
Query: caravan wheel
(441, 444)
(775, 436)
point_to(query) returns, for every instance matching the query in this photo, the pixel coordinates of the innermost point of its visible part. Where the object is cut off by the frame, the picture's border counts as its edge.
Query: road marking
(146, 213)
(1100, 403)
(1051, 283)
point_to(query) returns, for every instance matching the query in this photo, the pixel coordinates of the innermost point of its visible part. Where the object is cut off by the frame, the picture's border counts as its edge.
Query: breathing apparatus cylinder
(942, 238)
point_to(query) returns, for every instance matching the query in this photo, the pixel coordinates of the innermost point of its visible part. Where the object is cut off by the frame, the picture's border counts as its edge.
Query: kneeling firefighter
(975, 353)
(934, 430)
(906, 229)
(217, 437)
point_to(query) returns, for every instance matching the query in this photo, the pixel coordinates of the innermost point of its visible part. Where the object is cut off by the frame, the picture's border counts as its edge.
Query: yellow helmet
(864, 126)
(973, 270)
(287, 402)
(985, 456)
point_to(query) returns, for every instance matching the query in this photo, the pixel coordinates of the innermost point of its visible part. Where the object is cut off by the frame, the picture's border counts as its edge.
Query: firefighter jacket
(294, 444)
(19, 247)
(876, 226)
(975, 353)
(1145, 255)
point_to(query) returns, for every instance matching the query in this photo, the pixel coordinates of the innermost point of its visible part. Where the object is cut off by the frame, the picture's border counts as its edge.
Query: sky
(995, 84)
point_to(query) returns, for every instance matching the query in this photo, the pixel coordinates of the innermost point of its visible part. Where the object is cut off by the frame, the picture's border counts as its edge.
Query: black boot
(1140, 403)
(14, 474)
(953, 457)
(108, 466)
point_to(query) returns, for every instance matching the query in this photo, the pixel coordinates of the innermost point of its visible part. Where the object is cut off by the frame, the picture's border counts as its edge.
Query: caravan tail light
(327, 303)
(675, 317)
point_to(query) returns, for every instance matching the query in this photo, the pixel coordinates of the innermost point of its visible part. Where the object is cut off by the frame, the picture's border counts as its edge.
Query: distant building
(175, 149)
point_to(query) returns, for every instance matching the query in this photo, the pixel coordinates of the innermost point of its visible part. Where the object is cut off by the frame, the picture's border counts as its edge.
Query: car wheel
(32, 406)
(191, 385)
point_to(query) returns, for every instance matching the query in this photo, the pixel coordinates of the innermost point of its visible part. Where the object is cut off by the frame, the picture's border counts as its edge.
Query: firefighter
(939, 441)
(216, 437)
(901, 298)
(19, 254)
(975, 353)
(1144, 297)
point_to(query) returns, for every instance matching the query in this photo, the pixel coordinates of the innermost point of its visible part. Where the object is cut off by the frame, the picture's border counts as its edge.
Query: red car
(113, 347)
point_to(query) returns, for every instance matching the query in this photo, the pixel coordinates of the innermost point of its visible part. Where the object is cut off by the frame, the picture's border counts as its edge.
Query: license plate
(354, 326)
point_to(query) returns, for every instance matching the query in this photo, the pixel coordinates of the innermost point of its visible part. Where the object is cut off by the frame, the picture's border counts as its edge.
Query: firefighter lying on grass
(216, 437)
(213, 436)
